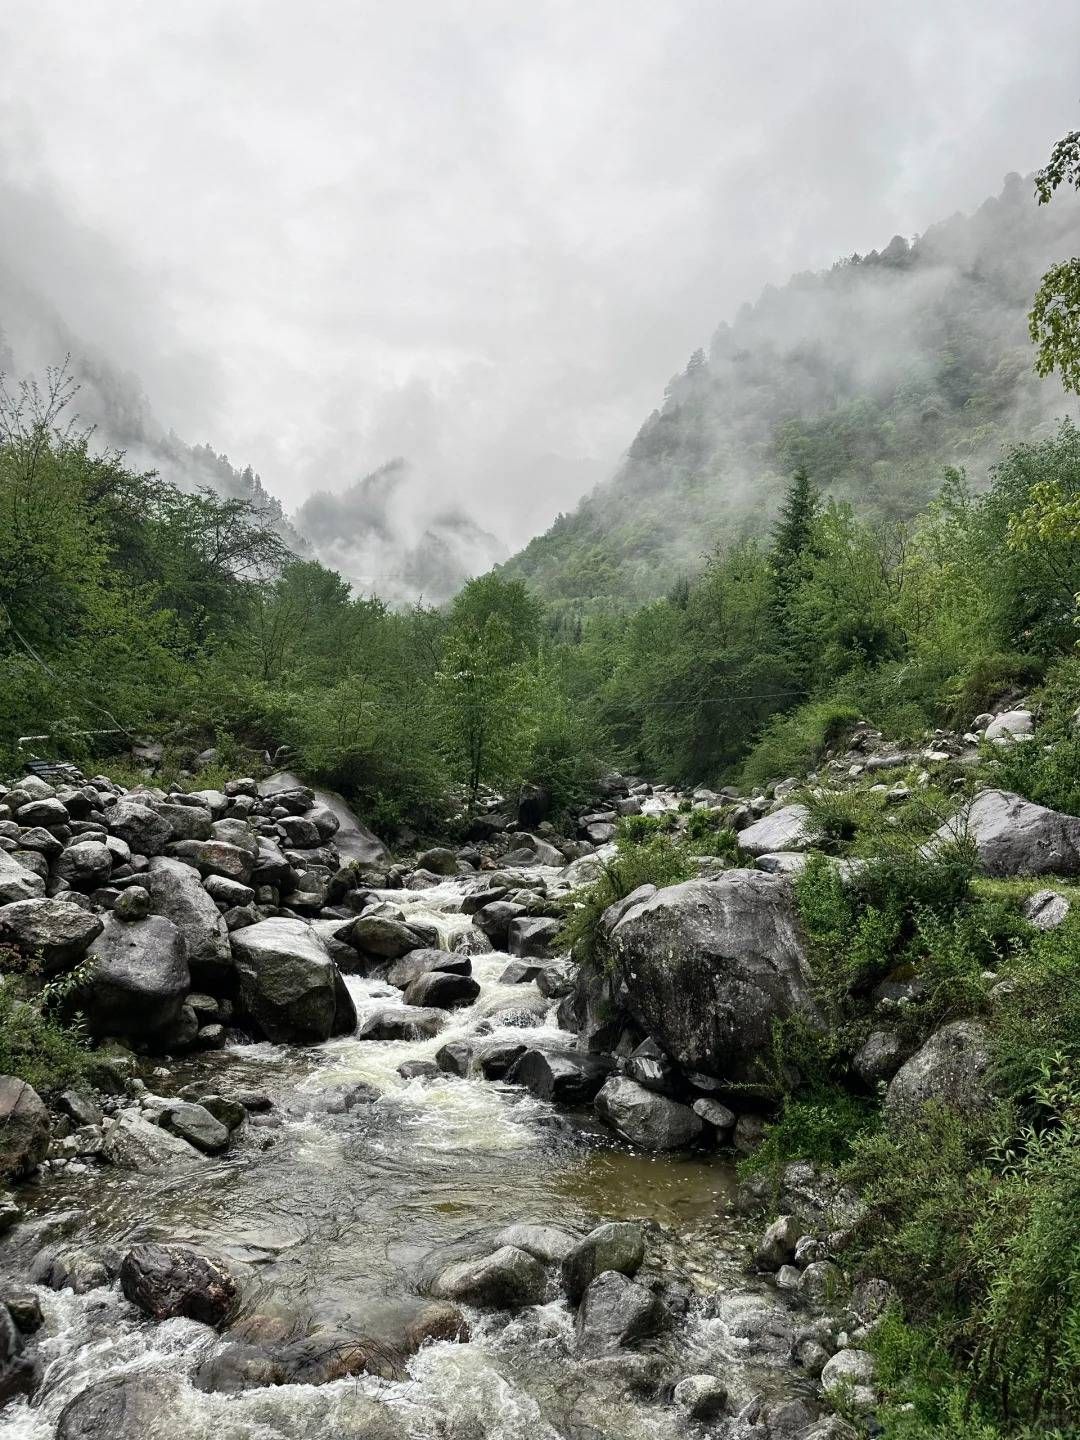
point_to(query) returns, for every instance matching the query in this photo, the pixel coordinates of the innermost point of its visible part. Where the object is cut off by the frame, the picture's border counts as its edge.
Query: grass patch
(658, 861)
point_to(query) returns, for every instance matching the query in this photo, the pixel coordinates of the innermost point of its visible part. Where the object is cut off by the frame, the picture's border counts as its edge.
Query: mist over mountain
(873, 375)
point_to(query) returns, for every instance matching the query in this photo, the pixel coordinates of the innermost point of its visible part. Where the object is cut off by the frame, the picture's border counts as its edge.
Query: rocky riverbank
(357, 1123)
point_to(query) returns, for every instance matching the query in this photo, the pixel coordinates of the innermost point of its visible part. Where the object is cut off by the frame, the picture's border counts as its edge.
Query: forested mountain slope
(874, 375)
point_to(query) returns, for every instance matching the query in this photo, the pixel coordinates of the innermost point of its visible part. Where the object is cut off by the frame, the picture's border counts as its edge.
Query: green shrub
(707, 833)
(1049, 777)
(820, 1126)
(981, 687)
(792, 744)
(36, 1046)
(660, 861)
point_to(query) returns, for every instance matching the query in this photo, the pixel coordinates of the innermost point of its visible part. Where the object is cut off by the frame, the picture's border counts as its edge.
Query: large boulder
(177, 893)
(186, 822)
(56, 931)
(286, 980)
(385, 937)
(85, 865)
(17, 882)
(215, 857)
(785, 829)
(170, 1280)
(133, 1143)
(140, 977)
(950, 1069)
(709, 967)
(618, 1245)
(506, 1280)
(421, 962)
(141, 827)
(530, 936)
(648, 1120)
(402, 1022)
(615, 1311)
(130, 1406)
(1012, 836)
(352, 840)
(494, 919)
(443, 989)
(24, 1128)
(571, 1077)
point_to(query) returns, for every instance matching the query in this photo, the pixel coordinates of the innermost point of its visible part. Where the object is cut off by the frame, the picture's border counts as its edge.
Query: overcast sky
(475, 233)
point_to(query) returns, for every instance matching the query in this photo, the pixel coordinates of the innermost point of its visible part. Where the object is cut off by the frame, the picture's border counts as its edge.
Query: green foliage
(707, 833)
(821, 1125)
(35, 1045)
(792, 744)
(1055, 315)
(657, 861)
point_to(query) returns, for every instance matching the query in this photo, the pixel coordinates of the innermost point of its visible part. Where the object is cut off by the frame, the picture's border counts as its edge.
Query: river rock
(1046, 910)
(215, 857)
(530, 850)
(385, 937)
(529, 937)
(618, 1245)
(506, 1280)
(228, 892)
(777, 1246)
(353, 841)
(140, 977)
(177, 893)
(333, 1355)
(186, 822)
(645, 1118)
(419, 962)
(546, 1243)
(139, 826)
(122, 1407)
(170, 1280)
(850, 1375)
(1009, 727)
(17, 882)
(616, 1311)
(24, 1128)
(441, 988)
(1013, 836)
(84, 865)
(238, 1367)
(402, 1022)
(56, 931)
(495, 1058)
(195, 1124)
(570, 1077)
(786, 830)
(286, 980)
(950, 1069)
(709, 968)
(700, 1397)
(454, 1059)
(133, 1143)
(493, 920)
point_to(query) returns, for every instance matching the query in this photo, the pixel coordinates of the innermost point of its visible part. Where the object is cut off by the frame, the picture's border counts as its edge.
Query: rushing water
(329, 1216)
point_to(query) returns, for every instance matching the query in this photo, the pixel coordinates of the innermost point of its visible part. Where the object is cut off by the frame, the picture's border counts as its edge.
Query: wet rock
(60, 1268)
(335, 1355)
(616, 1311)
(521, 972)
(287, 980)
(420, 962)
(402, 1022)
(1012, 836)
(651, 1121)
(700, 1397)
(24, 1128)
(56, 931)
(24, 1307)
(439, 861)
(140, 977)
(195, 1124)
(764, 1323)
(777, 1246)
(951, 1069)
(345, 1017)
(649, 1066)
(493, 920)
(169, 1280)
(506, 1280)
(238, 1367)
(786, 830)
(454, 1059)
(177, 893)
(419, 1070)
(496, 1058)
(555, 980)
(123, 1407)
(716, 1115)
(443, 989)
(17, 882)
(850, 1375)
(546, 1243)
(529, 937)
(229, 1112)
(570, 1077)
(709, 968)
(436, 1322)
(618, 1245)
(79, 1108)
(384, 937)
(133, 1143)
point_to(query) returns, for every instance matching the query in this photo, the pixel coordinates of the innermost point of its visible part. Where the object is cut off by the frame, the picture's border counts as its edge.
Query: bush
(37, 1047)
(660, 861)
(707, 833)
(821, 1126)
(792, 744)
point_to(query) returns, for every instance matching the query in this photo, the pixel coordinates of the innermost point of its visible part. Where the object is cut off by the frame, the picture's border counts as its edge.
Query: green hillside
(873, 375)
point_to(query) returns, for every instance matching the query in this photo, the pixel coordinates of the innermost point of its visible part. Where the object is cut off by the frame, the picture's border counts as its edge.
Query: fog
(470, 238)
